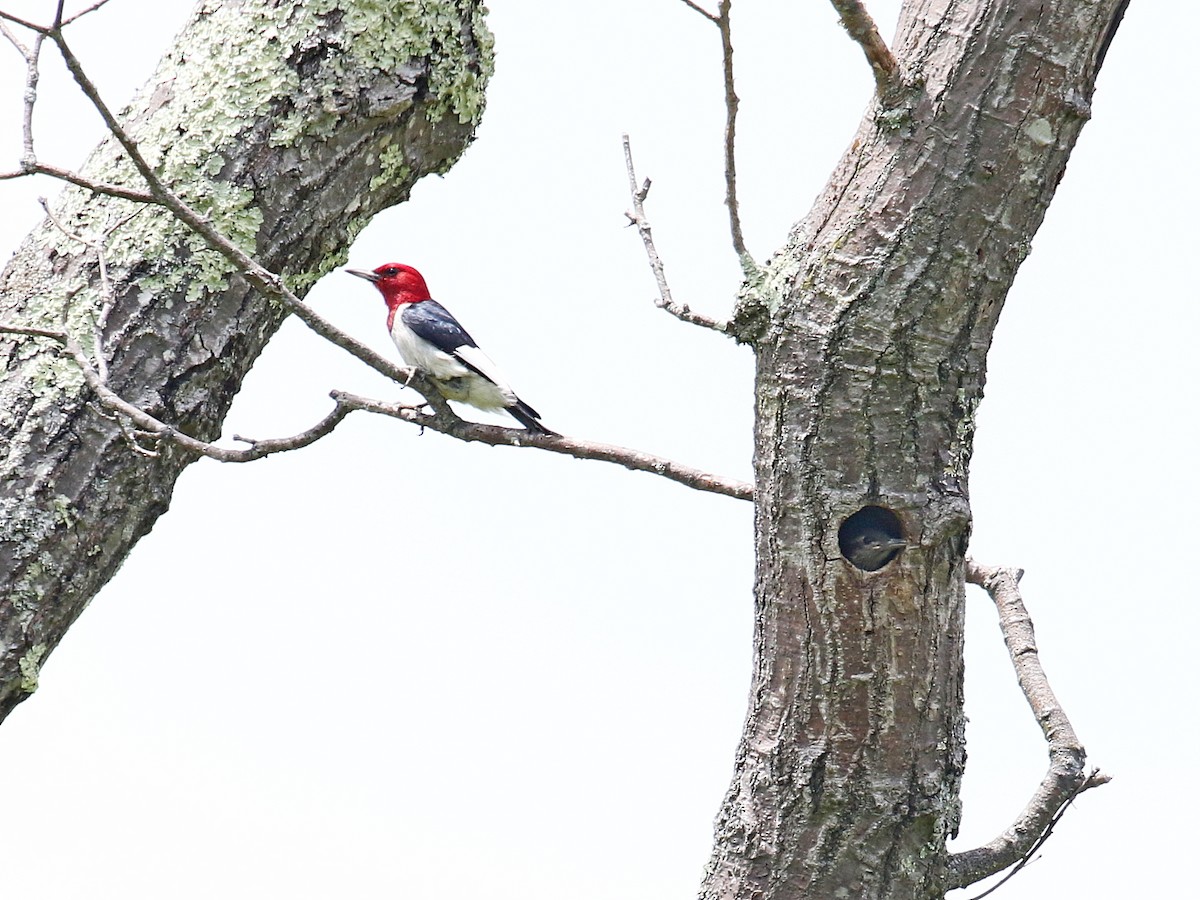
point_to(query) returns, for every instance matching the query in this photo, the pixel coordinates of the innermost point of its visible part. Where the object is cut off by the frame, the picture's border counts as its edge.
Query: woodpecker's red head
(397, 282)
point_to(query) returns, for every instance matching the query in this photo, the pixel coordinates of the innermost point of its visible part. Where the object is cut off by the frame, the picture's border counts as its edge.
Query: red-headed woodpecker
(430, 339)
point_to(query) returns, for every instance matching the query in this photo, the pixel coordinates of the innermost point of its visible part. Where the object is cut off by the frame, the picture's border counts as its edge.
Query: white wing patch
(477, 359)
(454, 379)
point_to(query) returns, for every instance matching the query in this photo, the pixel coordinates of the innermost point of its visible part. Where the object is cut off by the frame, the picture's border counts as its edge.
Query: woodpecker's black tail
(528, 416)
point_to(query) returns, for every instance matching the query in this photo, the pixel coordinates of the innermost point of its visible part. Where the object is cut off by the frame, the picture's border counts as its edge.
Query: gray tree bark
(289, 125)
(872, 327)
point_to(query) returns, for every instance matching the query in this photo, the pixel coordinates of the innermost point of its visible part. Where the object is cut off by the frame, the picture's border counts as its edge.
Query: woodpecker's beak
(363, 273)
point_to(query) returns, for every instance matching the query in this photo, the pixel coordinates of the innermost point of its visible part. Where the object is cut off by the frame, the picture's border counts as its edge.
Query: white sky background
(394, 665)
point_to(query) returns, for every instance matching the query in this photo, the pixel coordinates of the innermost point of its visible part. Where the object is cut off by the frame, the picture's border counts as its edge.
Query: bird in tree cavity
(871, 538)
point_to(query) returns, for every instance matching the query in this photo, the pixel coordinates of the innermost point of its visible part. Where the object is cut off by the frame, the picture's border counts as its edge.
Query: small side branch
(83, 12)
(98, 187)
(1065, 779)
(861, 27)
(107, 297)
(31, 56)
(722, 21)
(700, 9)
(749, 266)
(638, 218)
(24, 23)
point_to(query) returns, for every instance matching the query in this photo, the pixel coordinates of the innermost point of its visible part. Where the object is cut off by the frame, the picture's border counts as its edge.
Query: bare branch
(108, 297)
(498, 436)
(83, 12)
(31, 331)
(99, 187)
(722, 21)
(1065, 778)
(861, 27)
(24, 23)
(749, 266)
(8, 35)
(638, 217)
(700, 9)
(31, 56)
(1094, 779)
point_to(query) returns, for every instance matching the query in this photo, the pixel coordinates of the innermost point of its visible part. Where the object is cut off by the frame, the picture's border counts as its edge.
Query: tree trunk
(872, 327)
(289, 124)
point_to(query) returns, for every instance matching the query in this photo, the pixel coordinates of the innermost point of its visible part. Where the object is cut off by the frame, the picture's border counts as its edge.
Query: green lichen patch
(30, 665)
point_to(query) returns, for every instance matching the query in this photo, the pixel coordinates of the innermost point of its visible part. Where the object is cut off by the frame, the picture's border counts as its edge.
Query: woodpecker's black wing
(432, 322)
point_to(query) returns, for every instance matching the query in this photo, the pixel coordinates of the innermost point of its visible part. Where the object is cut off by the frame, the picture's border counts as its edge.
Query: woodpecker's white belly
(453, 379)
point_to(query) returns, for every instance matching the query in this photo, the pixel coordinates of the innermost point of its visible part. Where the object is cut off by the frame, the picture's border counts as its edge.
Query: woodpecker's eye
(391, 271)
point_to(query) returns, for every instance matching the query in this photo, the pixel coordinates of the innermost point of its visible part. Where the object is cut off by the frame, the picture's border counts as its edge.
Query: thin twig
(83, 12)
(107, 295)
(638, 218)
(111, 296)
(31, 331)
(98, 187)
(700, 9)
(31, 56)
(861, 27)
(1065, 778)
(24, 23)
(1028, 857)
(749, 266)
(8, 35)
(722, 20)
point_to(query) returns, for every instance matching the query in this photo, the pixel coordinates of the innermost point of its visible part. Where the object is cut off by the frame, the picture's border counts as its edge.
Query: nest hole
(871, 538)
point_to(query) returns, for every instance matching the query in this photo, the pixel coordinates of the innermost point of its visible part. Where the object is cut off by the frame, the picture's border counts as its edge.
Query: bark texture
(289, 124)
(872, 327)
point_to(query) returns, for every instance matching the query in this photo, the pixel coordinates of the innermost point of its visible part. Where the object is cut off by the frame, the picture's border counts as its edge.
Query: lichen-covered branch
(1066, 777)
